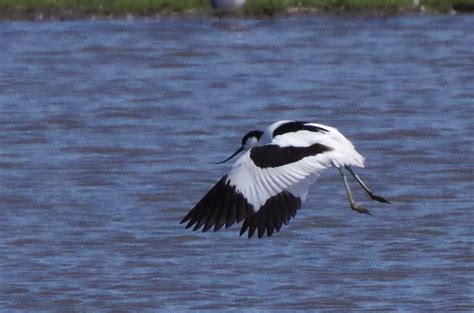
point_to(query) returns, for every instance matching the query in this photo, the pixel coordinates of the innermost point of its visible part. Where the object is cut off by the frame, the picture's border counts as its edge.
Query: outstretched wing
(221, 205)
(265, 188)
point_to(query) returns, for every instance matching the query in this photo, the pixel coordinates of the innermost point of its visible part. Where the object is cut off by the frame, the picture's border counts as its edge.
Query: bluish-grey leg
(364, 186)
(352, 203)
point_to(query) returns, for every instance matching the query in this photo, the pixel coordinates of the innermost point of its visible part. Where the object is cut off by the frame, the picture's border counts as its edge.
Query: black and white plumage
(270, 180)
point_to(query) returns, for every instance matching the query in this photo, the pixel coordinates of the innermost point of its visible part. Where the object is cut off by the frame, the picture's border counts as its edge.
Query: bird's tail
(345, 152)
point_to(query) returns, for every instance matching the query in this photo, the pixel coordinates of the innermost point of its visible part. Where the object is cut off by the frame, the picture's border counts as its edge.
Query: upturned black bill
(233, 155)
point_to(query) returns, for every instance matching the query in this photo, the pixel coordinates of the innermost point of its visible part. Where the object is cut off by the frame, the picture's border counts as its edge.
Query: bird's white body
(270, 180)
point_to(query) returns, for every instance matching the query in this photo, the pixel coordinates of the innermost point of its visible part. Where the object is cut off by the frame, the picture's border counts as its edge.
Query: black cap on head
(254, 133)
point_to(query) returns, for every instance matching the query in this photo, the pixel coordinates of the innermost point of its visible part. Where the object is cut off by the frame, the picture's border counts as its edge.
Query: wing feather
(231, 216)
(221, 205)
(257, 184)
(274, 193)
(213, 212)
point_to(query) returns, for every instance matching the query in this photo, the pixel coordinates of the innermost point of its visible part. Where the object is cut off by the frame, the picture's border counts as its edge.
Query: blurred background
(80, 9)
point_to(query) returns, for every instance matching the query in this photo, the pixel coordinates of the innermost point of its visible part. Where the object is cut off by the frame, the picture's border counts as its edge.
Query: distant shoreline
(35, 10)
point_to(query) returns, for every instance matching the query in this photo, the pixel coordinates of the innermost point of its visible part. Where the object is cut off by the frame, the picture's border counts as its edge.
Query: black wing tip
(244, 227)
(276, 211)
(224, 206)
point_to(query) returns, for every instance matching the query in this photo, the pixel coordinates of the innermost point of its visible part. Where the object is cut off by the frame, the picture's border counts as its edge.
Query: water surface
(109, 131)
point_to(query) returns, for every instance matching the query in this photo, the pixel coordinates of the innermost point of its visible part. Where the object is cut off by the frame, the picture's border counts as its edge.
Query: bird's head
(248, 141)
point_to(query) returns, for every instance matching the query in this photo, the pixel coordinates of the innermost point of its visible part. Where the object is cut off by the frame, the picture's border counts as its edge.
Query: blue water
(109, 131)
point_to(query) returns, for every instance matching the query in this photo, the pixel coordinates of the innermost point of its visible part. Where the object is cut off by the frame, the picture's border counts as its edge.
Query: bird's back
(303, 134)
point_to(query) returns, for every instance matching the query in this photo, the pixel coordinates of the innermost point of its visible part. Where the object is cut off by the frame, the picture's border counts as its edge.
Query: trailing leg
(364, 186)
(352, 203)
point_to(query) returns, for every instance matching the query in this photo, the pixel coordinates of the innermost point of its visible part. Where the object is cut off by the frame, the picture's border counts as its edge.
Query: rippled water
(109, 131)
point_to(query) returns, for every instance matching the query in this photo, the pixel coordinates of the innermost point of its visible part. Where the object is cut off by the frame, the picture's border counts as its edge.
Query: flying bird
(270, 180)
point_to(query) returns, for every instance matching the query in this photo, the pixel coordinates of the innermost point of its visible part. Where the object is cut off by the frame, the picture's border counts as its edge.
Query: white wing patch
(259, 184)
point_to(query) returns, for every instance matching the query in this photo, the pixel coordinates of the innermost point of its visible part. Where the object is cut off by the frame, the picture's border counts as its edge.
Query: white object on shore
(227, 5)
